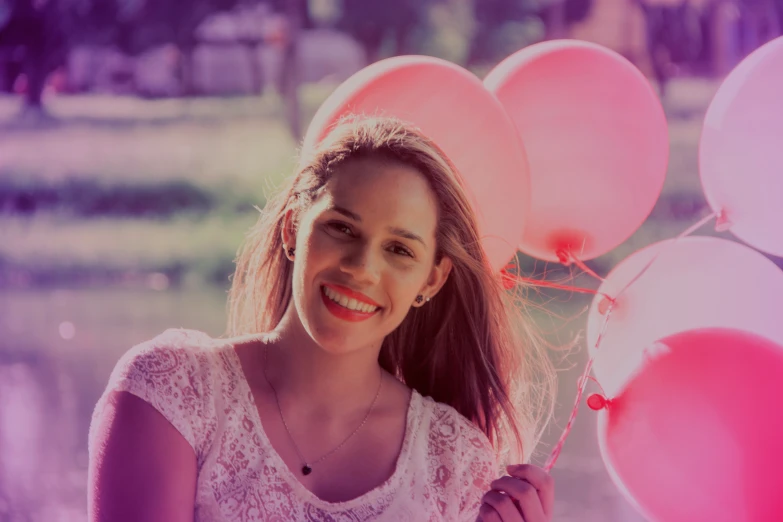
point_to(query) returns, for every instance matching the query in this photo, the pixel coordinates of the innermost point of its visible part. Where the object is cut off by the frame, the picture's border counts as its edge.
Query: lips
(352, 294)
(348, 304)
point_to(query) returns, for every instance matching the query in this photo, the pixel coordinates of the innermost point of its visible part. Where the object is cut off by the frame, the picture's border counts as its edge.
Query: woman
(372, 371)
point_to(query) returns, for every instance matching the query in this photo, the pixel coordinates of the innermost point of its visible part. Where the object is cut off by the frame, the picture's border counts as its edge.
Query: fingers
(524, 495)
(488, 514)
(503, 506)
(541, 481)
(528, 495)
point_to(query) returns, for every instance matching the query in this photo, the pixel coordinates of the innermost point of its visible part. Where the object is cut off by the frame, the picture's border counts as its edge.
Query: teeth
(347, 302)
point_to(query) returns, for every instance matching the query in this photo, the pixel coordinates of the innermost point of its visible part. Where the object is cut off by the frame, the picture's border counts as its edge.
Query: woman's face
(364, 250)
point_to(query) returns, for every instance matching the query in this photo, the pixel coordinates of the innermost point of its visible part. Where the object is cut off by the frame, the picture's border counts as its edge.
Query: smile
(345, 307)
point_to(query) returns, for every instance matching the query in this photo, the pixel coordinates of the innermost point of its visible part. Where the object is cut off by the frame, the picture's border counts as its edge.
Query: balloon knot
(598, 402)
(563, 256)
(722, 224)
(603, 306)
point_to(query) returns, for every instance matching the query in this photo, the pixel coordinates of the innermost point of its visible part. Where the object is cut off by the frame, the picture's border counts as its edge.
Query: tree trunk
(289, 75)
(186, 69)
(725, 42)
(256, 70)
(36, 73)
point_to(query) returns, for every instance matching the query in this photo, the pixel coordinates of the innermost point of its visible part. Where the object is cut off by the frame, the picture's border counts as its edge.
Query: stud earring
(420, 298)
(289, 251)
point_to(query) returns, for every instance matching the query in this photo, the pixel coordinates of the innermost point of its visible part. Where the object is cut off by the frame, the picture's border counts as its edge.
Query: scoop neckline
(288, 476)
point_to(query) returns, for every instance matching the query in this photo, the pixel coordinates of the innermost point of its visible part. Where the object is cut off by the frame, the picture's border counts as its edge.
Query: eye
(401, 250)
(340, 228)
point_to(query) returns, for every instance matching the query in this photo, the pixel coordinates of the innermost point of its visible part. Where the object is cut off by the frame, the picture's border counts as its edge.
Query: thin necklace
(308, 468)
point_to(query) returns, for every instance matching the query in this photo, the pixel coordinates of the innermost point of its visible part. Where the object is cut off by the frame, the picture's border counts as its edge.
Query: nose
(362, 264)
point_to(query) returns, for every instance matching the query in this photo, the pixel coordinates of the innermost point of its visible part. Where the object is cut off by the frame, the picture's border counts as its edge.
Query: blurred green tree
(500, 24)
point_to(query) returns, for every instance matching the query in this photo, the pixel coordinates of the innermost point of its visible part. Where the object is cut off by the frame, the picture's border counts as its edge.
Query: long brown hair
(472, 347)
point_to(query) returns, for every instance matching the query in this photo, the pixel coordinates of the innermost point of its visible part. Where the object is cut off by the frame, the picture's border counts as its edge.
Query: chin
(338, 338)
(335, 342)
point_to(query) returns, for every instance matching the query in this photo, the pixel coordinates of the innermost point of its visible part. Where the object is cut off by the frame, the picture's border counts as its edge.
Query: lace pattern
(445, 465)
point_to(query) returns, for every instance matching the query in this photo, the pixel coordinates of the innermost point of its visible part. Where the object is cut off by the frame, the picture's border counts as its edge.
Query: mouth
(345, 307)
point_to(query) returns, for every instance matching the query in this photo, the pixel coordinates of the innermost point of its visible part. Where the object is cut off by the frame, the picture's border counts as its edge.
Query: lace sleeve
(479, 470)
(164, 372)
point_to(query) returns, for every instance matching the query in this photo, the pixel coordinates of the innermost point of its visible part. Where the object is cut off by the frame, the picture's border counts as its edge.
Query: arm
(142, 469)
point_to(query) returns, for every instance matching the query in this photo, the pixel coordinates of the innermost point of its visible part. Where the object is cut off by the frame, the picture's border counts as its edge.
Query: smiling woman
(373, 367)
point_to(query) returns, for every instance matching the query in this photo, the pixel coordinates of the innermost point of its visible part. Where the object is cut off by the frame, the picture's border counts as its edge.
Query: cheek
(318, 253)
(318, 242)
(306, 255)
(404, 285)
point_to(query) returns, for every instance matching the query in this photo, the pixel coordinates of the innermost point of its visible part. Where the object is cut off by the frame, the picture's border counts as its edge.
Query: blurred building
(242, 51)
(719, 32)
(238, 53)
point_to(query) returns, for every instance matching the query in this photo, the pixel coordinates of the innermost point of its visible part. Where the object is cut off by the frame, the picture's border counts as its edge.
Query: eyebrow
(401, 232)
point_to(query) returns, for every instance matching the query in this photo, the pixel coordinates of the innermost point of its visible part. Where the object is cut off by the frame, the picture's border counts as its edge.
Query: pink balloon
(450, 106)
(597, 144)
(697, 435)
(696, 282)
(741, 150)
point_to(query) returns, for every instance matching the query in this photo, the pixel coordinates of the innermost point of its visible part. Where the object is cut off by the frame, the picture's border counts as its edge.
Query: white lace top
(445, 465)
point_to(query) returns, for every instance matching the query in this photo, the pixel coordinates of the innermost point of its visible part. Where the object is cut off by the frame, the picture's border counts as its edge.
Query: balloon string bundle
(554, 286)
(607, 308)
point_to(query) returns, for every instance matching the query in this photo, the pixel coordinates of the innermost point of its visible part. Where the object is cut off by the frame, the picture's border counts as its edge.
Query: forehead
(383, 190)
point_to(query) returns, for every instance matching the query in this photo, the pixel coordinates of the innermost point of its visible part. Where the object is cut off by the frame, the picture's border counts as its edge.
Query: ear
(288, 230)
(438, 277)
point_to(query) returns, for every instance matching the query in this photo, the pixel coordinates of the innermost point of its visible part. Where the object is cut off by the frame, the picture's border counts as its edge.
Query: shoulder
(172, 372)
(175, 357)
(170, 344)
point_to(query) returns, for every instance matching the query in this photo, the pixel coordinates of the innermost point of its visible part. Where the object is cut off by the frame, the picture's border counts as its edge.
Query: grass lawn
(48, 242)
(208, 141)
(236, 151)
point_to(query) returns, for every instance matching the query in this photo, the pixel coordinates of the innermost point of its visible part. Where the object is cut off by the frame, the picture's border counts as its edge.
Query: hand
(528, 495)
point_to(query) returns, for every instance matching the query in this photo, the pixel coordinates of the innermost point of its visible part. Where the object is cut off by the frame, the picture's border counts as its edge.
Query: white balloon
(695, 282)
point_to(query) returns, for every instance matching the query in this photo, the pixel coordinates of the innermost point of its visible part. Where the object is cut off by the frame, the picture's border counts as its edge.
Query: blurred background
(136, 136)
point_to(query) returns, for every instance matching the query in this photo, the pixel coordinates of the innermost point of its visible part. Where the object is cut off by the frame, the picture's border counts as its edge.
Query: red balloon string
(693, 228)
(609, 304)
(598, 384)
(582, 384)
(510, 280)
(578, 262)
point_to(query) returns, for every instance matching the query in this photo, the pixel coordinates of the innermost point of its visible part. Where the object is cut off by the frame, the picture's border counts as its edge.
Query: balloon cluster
(563, 149)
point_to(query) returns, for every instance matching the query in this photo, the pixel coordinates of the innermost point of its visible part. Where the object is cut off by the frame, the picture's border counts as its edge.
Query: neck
(326, 384)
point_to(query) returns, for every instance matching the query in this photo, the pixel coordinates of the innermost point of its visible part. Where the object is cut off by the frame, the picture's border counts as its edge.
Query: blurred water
(51, 377)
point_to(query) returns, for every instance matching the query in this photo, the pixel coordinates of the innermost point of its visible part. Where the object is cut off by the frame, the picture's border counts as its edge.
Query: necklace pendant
(306, 470)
